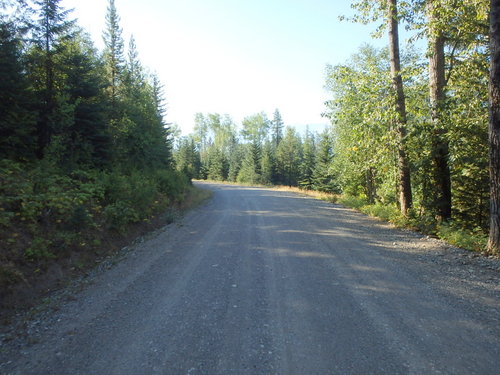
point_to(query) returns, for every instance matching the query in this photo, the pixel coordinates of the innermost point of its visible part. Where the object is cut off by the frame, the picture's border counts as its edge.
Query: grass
(195, 197)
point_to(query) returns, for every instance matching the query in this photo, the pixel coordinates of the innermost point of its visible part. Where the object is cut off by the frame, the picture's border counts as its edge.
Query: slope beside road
(259, 281)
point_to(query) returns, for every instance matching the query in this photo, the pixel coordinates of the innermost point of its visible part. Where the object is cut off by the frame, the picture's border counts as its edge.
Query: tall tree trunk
(405, 194)
(494, 128)
(440, 146)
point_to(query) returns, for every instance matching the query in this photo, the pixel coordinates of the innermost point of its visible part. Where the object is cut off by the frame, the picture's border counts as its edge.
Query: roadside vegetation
(86, 160)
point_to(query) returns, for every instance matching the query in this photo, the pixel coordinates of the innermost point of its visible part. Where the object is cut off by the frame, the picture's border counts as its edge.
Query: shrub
(119, 214)
(474, 240)
(39, 250)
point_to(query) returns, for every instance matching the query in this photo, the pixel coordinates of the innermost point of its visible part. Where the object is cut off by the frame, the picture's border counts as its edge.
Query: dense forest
(84, 147)
(409, 130)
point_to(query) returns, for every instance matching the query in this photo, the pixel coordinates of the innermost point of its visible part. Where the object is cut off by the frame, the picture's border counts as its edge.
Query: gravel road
(259, 281)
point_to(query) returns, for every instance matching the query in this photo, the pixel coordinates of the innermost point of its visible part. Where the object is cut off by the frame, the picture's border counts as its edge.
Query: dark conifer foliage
(49, 30)
(17, 119)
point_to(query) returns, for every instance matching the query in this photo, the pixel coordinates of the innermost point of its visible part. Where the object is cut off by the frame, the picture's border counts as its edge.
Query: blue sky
(236, 57)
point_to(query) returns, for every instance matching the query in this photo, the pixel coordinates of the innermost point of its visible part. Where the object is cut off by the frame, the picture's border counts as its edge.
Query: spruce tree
(277, 128)
(51, 28)
(17, 121)
(87, 139)
(113, 55)
(308, 161)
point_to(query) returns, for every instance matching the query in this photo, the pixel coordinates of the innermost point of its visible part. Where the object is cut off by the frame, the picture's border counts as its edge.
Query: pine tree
(87, 139)
(187, 157)
(52, 27)
(323, 177)
(277, 128)
(113, 55)
(308, 161)
(288, 157)
(250, 166)
(268, 163)
(17, 121)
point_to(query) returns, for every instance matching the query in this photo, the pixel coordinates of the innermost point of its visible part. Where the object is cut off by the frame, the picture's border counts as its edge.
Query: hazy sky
(236, 57)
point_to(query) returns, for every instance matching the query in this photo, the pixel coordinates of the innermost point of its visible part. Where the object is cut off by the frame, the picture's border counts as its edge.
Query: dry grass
(328, 197)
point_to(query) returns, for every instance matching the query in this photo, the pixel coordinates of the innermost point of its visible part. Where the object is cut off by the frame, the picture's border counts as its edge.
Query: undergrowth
(48, 215)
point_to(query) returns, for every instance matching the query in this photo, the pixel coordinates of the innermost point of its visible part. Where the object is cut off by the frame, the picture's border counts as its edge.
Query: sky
(236, 57)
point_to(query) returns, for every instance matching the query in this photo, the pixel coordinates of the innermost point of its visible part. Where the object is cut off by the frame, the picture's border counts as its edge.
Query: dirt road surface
(259, 281)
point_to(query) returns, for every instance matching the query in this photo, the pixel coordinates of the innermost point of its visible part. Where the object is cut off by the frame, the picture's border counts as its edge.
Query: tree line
(84, 146)
(260, 151)
(64, 100)
(409, 128)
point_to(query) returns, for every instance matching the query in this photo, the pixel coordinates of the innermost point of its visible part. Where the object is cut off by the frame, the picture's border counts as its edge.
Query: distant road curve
(259, 281)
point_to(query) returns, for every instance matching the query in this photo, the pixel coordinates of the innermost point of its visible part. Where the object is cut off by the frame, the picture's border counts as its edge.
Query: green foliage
(288, 157)
(187, 158)
(474, 240)
(85, 152)
(307, 165)
(17, 120)
(39, 249)
(324, 177)
(172, 184)
(249, 171)
(51, 208)
(119, 214)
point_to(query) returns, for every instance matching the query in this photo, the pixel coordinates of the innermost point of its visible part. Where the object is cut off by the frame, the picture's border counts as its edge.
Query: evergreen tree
(288, 157)
(17, 120)
(308, 161)
(86, 140)
(268, 163)
(187, 158)
(217, 165)
(323, 177)
(277, 128)
(113, 55)
(160, 111)
(235, 160)
(250, 166)
(51, 28)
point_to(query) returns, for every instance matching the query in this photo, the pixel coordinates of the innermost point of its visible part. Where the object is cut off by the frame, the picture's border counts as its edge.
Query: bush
(119, 214)
(474, 240)
(352, 201)
(172, 183)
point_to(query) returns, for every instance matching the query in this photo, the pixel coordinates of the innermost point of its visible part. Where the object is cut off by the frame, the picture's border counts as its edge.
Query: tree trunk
(494, 129)
(371, 192)
(405, 194)
(440, 147)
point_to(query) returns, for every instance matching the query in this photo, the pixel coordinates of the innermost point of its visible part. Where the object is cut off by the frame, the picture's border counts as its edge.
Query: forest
(408, 139)
(85, 150)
